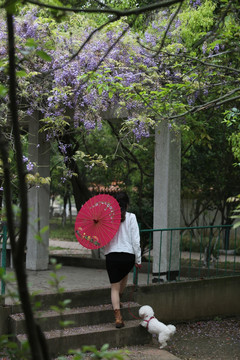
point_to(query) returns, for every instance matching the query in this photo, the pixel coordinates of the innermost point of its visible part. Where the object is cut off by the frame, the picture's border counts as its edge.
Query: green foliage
(90, 160)
(58, 231)
(103, 353)
(202, 177)
(3, 90)
(55, 282)
(236, 212)
(232, 120)
(10, 349)
(42, 231)
(196, 22)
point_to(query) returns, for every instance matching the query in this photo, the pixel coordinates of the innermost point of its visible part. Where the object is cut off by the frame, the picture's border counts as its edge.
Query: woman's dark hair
(123, 201)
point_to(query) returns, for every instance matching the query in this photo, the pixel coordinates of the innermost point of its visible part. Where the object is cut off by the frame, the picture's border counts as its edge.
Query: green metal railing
(192, 252)
(3, 243)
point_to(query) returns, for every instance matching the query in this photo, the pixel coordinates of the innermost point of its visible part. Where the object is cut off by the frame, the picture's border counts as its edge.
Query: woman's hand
(138, 266)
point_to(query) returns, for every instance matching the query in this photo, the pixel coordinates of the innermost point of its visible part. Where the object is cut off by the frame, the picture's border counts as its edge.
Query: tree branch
(89, 38)
(20, 246)
(134, 158)
(217, 102)
(108, 10)
(202, 62)
(167, 29)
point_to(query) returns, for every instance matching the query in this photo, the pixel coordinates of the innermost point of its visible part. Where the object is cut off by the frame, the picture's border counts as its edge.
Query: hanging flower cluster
(159, 74)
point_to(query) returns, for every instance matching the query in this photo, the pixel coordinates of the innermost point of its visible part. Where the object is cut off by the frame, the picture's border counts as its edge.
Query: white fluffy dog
(154, 326)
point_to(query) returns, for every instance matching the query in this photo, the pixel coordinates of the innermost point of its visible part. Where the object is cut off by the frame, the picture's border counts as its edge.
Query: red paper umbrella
(98, 221)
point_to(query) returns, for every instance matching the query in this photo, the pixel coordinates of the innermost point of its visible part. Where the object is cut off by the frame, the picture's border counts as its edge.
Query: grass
(194, 245)
(228, 265)
(62, 232)
(52, 248)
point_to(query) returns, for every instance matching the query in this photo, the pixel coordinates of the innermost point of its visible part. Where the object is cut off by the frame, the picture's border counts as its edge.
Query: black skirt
(118, 265)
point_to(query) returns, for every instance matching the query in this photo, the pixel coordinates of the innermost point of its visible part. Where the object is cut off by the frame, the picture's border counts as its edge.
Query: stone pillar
(38, 199)
(167, 182)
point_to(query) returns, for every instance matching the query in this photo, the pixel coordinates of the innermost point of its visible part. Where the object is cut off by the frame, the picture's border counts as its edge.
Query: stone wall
(172, 302)
(193, 300)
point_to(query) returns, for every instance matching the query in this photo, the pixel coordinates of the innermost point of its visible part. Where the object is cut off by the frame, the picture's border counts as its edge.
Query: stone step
(59, 342)
(93, 319)
(93, 297)
(80, 316)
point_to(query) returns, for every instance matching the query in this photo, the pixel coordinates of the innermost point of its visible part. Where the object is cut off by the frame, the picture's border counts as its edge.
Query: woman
(122, 253)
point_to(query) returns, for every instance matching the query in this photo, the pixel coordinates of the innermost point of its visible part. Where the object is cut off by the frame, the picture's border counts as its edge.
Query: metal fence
(178, 253)
(3, 254)
(191, 252)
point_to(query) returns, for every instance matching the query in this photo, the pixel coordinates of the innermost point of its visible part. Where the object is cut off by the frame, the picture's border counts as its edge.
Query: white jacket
(127, 238)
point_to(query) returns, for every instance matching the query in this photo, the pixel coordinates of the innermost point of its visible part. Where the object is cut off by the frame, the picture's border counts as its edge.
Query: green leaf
(58, 266)
(38, 238)
(3, 90)
(53, 261)
(43, 55)
(31, 43)
(55, 308)
(65, 302)
(105, 347)
(44, 229)
(21, 73)
(11, 6)
(53, 275)
(66, 323)
(61, 290)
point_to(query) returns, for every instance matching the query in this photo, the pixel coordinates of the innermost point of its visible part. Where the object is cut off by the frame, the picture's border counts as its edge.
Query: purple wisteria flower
(140, 130)
(204, 47)
(151, 39)
(216, 48)
(190, 100)
(205, 92)
(25, 159)
(195, 3)
(30, 166)
(177, 23)
(65, 87)
(64, 148)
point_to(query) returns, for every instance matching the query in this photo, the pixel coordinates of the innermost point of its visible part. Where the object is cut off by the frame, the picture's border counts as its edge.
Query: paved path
(67, 247)
(75, 278)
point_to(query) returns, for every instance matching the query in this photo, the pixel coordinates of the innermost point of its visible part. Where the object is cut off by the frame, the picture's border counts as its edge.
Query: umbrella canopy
(98, 221)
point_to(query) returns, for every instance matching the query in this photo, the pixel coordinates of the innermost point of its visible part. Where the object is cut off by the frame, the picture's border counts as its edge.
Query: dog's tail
(172, 329)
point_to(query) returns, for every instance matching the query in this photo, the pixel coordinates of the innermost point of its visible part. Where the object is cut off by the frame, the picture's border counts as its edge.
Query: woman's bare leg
(123, 284)
(115, 290)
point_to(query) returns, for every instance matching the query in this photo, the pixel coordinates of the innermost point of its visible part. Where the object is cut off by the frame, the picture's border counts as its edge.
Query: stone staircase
(92, 322)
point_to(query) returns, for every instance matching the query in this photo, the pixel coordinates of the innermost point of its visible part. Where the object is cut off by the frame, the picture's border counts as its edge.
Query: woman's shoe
(118, 319)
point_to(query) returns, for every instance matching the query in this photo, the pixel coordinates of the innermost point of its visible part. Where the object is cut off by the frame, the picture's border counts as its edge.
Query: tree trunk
(80, 190)
(36, 338)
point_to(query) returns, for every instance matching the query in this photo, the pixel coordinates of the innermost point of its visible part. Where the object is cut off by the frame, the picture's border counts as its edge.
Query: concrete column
(38, 198)
(167, 179)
